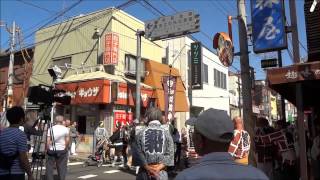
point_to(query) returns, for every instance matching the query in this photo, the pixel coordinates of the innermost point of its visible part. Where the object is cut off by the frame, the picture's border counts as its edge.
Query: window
(205, 69)
(215, 76)
(220, 79)
(130, 65)
(61, 61)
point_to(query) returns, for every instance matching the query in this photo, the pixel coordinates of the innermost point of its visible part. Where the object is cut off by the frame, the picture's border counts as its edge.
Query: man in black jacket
(117, 139)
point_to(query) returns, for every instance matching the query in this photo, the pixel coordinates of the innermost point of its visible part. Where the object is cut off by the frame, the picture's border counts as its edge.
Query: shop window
(220, 79)
(130, 65)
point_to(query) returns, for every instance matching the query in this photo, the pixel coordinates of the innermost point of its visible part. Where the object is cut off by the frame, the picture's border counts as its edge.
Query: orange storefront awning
(88, 91)
(95, 88)
(154, 78)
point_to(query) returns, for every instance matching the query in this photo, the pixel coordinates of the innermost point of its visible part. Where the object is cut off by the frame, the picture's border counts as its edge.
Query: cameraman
(57, 149)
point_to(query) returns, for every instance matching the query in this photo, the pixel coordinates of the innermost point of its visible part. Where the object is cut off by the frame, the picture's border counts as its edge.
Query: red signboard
(111, 49)
(125, 118)
(126, 95)
(87, 92)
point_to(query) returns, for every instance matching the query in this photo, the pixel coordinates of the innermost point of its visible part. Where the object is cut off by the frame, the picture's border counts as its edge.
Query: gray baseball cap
(214, 124)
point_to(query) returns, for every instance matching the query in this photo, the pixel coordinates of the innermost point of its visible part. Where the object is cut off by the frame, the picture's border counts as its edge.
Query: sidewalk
(79, 157)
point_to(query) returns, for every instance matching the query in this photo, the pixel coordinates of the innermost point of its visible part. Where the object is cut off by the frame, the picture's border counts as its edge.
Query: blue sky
(212, 13)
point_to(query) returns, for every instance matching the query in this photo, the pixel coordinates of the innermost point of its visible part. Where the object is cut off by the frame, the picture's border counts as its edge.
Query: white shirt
(60, 132)
(219, 166)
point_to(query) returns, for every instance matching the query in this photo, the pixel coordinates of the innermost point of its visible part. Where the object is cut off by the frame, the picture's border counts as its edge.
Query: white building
(215, 92)
(234, 94)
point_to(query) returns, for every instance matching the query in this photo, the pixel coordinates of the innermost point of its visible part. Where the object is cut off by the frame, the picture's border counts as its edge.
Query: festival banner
(169, 88)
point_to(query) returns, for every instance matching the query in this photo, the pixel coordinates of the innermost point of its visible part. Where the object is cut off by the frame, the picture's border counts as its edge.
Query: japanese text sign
(86, 92)
(169, 88)
(125, 118)
(268, 25)
(196, 65)
(111, 51)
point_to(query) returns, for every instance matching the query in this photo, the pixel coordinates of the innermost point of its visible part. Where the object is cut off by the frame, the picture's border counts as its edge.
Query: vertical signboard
(125, 118)
(196, 65)
(111, 49)
(169, 88)
(268, 25)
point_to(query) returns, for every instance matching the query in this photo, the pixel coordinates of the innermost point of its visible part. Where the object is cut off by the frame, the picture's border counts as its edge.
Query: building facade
(97, 56)
(235, 94)
(215, 77)
(22, 70)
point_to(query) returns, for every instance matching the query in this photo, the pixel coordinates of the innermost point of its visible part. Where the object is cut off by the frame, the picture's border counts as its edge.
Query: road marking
(69, 164)
(75, 163)
(87, 176)
(111, 171)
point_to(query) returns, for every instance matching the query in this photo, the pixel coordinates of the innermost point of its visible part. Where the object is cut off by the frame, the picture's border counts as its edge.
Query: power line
(170, 6)
(145, 6)
(36, 6)
(175, 10)
(82, 23)
(154, 8)
(218, 7)
(119, 7)
(55, 16)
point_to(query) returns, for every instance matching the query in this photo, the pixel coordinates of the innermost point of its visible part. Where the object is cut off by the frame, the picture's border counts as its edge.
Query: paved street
(77, 171)
(93, 172)
(106, 172)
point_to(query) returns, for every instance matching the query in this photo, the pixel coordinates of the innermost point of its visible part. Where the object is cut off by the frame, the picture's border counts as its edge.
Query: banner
(122, 117)
(111, 49)
(169, 88)
(196, 65)
(268, 25)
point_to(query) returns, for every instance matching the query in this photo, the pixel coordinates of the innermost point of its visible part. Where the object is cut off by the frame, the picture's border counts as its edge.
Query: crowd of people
(156, 149)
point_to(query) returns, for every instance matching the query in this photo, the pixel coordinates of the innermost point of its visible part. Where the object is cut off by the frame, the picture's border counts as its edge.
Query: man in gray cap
(213, 131)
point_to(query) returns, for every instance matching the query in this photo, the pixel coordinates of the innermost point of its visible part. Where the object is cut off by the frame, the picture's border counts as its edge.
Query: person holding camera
(58, 140)
(13, 148)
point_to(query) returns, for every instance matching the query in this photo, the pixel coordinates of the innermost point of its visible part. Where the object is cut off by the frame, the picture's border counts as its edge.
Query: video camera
(46, 95)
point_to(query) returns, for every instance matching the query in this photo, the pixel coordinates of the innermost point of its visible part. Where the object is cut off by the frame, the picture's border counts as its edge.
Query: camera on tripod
(47, 95)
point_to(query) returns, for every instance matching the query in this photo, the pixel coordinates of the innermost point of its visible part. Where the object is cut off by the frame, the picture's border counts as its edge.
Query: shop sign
(111, 51)
(196, 65)
(126, 96)
(267, 63)
(125, 118)
(169, 88)
(85, 92)
(298, 72)
(305, 74)
(268, 25)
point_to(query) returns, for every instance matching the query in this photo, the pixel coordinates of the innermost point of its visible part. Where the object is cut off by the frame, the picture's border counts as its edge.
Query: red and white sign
(122, 117)
(87, 92)
(126, 95)
(111, 51)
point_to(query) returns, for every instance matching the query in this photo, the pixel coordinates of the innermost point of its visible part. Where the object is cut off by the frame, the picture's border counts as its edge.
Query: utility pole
(245, 71)
(10, 70)
(138, 73)
(299, 92)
